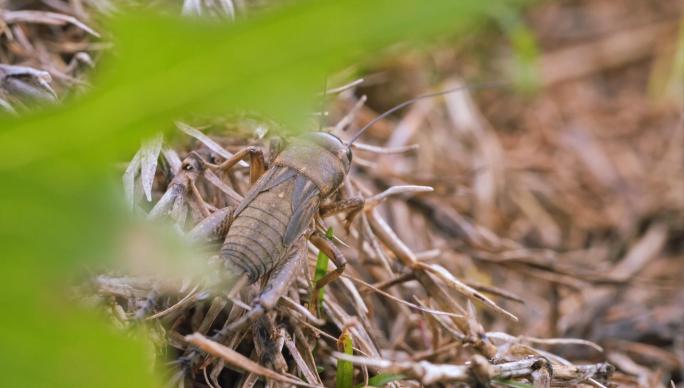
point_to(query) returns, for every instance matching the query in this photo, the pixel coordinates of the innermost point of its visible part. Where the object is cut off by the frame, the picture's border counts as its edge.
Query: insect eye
(349, 154)
(188, 167)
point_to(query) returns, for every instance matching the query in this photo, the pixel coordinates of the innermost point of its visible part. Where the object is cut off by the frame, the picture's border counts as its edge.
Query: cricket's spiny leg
(277, 285)
(204, 208)
(177, 190)
(214, 227)
(330, 250)
(257, 164)
(352, 205)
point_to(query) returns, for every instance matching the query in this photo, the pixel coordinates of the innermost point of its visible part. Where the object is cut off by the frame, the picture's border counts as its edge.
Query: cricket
(265, 235)
(267, 231)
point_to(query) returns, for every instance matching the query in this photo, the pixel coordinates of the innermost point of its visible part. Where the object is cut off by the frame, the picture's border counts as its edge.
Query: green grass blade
(513, 383)
(322, 261)
(345, 369)
(382, 379)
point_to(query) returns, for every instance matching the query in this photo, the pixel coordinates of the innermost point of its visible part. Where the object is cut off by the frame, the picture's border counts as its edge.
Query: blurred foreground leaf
(273, 64)
(524, 66)
(58, 203)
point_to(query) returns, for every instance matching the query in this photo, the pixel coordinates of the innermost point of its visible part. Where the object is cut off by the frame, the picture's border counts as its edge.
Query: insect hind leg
(277, 285)
(214, 227)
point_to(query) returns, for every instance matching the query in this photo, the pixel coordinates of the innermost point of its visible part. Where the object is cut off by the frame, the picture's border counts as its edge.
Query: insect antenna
(488, 85)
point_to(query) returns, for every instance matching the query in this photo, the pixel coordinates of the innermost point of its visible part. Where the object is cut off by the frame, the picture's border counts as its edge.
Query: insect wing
(305, 200)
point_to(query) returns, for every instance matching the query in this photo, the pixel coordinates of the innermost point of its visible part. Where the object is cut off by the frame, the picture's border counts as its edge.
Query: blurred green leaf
(273, 64)
(48, 343)
(667, 72)
(524, 67)
(526, 71)
(59, 204)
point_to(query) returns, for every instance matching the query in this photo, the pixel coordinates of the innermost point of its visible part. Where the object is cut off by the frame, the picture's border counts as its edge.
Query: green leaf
(273, 64)
(345, 369)
(512, 383)
(382, 379)
(525, 62)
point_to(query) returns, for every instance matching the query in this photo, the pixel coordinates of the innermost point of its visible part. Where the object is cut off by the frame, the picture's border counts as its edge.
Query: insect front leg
(257, 164)
(279, 281)
(330, 250)
(351, 205)
(174, 199)
(203, 206)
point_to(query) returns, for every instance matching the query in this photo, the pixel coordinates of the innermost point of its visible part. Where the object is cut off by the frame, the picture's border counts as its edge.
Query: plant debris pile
(505, 238)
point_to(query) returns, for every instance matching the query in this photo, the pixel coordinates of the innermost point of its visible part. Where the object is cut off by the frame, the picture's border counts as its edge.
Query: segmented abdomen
(254, 243)
(273, 214)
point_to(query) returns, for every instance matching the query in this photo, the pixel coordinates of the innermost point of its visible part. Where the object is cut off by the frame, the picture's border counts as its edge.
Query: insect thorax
(321, 166)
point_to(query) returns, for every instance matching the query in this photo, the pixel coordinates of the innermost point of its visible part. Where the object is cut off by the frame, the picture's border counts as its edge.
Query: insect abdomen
(254, 243)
